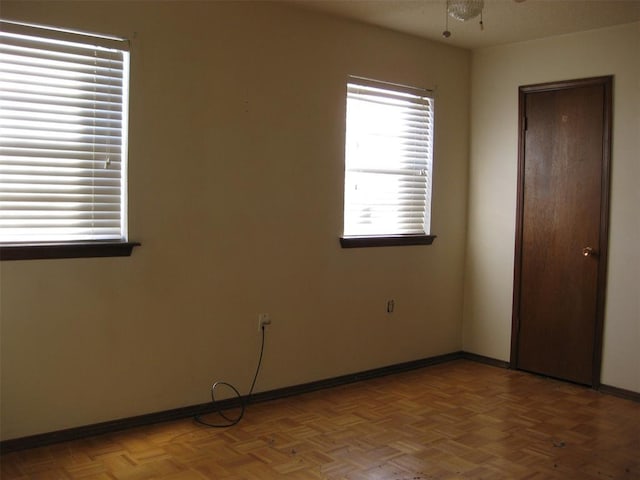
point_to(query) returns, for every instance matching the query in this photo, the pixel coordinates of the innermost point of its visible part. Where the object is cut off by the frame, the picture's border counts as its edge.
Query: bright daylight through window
(388, 160)
(63, 132)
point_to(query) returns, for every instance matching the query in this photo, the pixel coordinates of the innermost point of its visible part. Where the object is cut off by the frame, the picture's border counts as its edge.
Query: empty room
(332, 239)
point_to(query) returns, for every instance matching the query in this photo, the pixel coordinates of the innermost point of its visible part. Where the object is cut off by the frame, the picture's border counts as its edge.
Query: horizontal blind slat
(69, 38)
(32, 101)
(14, 53)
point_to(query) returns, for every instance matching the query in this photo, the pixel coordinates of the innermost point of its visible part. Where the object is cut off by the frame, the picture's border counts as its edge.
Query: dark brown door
(561, 236)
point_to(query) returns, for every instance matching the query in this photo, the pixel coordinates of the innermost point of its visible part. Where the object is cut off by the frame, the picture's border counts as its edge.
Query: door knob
(588, 252)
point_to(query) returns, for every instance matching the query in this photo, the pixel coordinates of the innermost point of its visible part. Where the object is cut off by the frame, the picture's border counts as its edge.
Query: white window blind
(63, 132)
(388, 159)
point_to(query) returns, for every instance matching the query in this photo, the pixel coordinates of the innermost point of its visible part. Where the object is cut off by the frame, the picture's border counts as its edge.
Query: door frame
(523, 91)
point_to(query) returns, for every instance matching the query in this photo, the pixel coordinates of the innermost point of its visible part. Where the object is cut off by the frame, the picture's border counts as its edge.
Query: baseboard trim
(474, 357)
(620, 392)
(77, 433)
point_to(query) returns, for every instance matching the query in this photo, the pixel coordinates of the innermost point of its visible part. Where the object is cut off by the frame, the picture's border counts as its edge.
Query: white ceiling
(505, 21)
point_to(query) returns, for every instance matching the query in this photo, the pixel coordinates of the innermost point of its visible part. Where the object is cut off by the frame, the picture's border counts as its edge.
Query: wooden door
(561, 238)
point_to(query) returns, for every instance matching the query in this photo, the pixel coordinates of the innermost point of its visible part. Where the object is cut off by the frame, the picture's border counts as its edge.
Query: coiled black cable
(230, 421)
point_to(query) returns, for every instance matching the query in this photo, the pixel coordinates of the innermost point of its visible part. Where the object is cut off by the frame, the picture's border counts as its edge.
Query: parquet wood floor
(458, 420)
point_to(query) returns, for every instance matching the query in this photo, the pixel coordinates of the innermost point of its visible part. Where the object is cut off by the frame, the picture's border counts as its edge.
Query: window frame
(87, 249)
(353, 241)
(390, 239)
(79, 248)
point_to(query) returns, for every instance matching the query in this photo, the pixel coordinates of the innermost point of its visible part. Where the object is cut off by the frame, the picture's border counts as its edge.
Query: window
(63, 139)
(388, 164)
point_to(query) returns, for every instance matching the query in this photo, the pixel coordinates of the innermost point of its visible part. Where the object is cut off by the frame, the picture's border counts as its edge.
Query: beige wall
(496, 74)
(236, 171)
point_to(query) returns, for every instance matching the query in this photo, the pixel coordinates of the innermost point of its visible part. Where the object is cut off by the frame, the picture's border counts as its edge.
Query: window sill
(40, 251)
(386, 241)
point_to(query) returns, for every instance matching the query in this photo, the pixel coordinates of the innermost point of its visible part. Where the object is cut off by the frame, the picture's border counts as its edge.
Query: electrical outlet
(264, 319)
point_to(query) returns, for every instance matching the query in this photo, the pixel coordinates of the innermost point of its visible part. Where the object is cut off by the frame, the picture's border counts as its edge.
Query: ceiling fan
(464, 10)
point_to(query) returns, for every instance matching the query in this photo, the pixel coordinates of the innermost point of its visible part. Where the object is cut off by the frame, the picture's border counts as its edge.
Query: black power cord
(230, 421)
